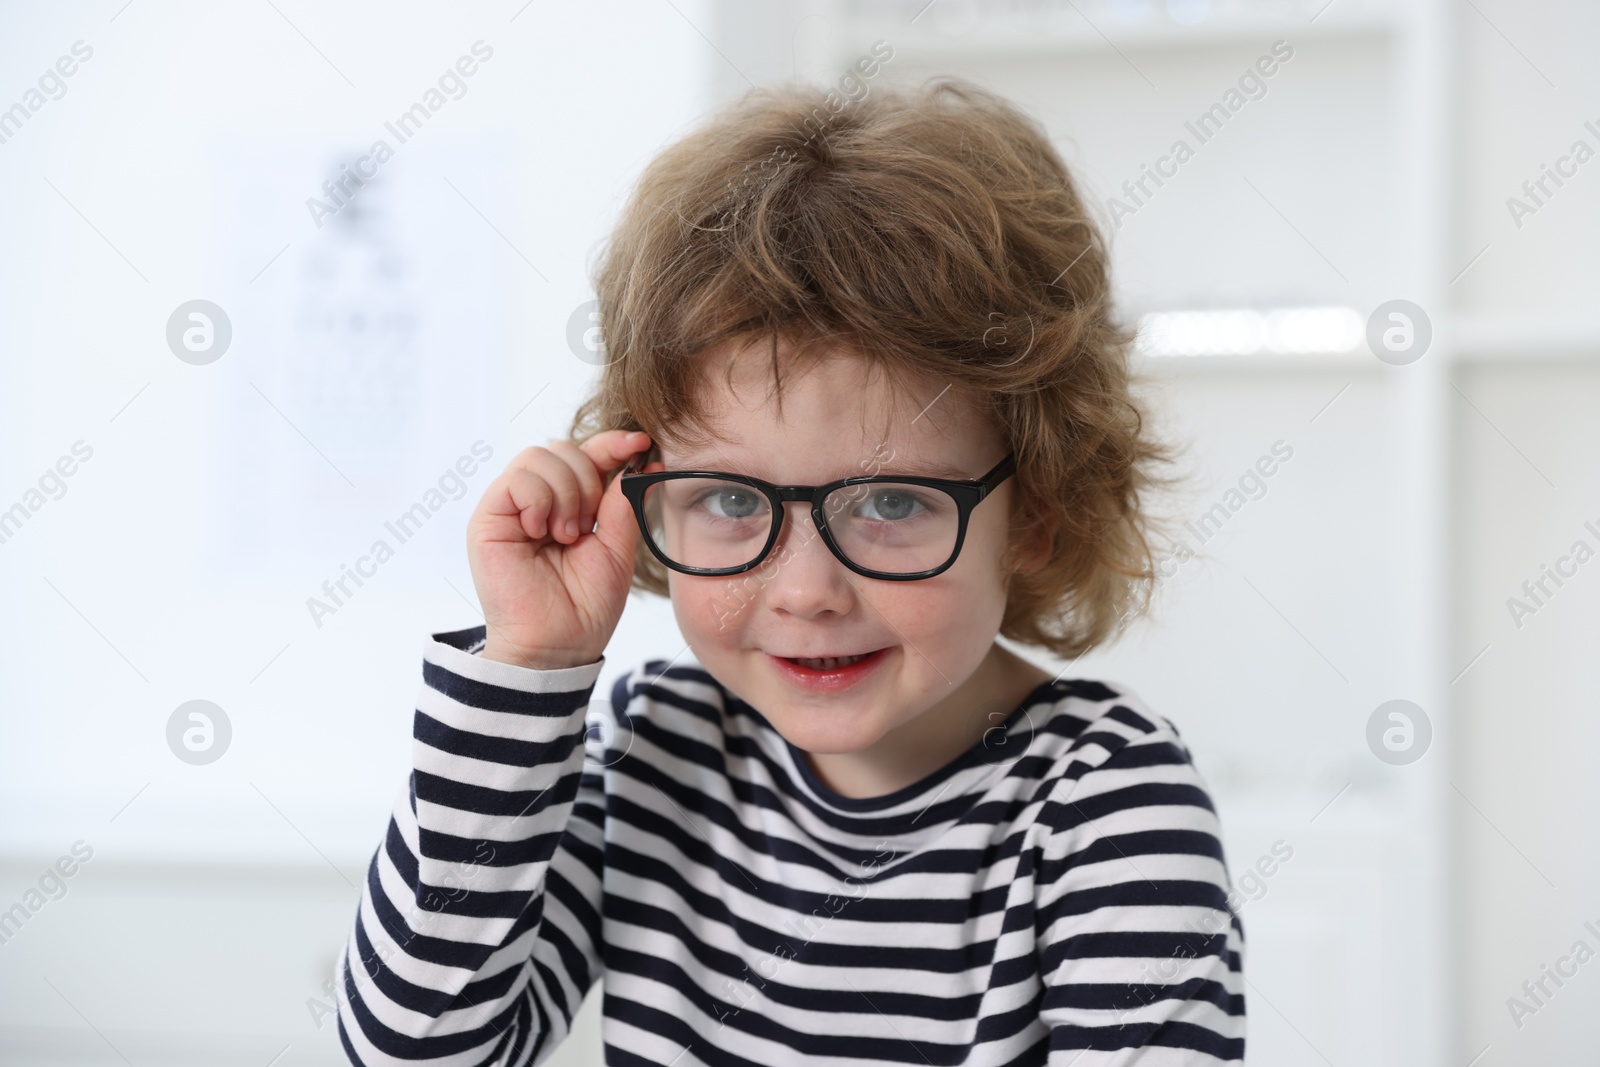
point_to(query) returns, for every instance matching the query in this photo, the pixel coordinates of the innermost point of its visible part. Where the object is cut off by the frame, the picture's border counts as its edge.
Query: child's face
(803, 601)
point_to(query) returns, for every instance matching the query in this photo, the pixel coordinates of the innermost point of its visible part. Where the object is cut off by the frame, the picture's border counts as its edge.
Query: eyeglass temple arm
(638, 463)
(1002, 470)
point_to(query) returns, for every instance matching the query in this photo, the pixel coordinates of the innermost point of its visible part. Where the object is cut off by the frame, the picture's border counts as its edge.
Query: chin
(802, 729)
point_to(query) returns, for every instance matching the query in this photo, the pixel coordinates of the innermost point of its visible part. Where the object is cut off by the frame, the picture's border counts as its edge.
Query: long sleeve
(1140, 952)
(478, 931)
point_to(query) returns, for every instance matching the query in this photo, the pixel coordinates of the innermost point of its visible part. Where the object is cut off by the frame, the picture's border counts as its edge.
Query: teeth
(830, 663)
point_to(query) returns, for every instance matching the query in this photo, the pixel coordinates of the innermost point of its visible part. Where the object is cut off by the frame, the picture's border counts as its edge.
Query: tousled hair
(933, 231)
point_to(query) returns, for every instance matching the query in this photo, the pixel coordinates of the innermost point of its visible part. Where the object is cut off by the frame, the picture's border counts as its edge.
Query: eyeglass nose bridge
(781, 523)
(817, 499)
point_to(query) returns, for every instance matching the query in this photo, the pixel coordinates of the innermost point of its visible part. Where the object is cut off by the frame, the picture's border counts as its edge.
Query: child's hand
(552, 598)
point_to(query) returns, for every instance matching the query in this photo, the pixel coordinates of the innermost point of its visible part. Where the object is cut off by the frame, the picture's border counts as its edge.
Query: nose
(801, 576)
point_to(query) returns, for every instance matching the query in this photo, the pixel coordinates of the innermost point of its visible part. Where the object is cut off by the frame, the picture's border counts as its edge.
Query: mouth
(829, 672)
(826, 663)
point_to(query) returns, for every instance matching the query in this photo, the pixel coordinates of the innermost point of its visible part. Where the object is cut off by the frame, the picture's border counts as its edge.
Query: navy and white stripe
(1064, 904)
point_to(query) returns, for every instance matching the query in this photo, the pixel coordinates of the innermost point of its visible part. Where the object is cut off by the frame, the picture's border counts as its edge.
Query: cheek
(943, 610)
(977, 570)
(967, 598)
(709, 610)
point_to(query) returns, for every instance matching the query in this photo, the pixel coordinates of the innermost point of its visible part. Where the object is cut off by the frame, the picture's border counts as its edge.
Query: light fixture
(1248, 331)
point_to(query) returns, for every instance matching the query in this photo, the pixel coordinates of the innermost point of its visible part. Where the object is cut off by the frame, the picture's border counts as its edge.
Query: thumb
(616, 525)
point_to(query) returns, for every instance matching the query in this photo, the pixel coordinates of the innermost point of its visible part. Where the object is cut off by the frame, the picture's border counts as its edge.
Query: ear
(1035, 552)
(1032, 550)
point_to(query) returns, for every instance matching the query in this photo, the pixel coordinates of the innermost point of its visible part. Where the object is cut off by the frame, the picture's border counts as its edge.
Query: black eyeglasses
(897, 527)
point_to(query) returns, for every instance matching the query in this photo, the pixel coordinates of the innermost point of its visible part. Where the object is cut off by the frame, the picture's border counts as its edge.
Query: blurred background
(1367, 285)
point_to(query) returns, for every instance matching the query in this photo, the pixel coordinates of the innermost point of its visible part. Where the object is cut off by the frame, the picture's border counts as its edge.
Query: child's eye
(891, 505)
(732, 502)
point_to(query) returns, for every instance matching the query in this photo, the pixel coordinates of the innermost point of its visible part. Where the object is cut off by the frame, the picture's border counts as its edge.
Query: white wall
(370, 355)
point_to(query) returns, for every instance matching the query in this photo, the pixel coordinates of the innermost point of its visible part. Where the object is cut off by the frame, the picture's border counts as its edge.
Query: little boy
(867, 410)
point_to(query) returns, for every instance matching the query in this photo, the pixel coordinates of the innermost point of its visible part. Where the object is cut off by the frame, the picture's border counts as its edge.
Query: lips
(829, 674)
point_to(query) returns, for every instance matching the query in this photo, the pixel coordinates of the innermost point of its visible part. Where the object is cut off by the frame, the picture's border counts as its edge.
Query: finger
(589, 486)
(509, 507)
(529, 491)
(616, 525)
(611, 449)
(533, 499)
(565, 501)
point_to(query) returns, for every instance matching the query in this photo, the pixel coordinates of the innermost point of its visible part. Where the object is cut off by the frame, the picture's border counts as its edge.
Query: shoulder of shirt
(661, 689)
(1092, 721)
(1103, 738)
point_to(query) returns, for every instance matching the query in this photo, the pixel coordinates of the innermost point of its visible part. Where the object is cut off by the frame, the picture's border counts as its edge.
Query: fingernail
(572, 527)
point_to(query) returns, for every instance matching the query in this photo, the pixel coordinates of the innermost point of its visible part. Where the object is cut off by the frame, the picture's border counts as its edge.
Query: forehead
(839, 414)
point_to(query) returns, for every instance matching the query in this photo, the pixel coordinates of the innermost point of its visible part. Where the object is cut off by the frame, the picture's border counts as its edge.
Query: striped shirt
(1055, 895)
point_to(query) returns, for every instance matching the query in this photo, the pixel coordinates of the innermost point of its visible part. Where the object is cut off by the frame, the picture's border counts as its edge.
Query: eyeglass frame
(967, 494)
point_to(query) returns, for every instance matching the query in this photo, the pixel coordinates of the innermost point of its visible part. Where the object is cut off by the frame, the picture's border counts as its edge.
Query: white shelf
(1068, 33)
